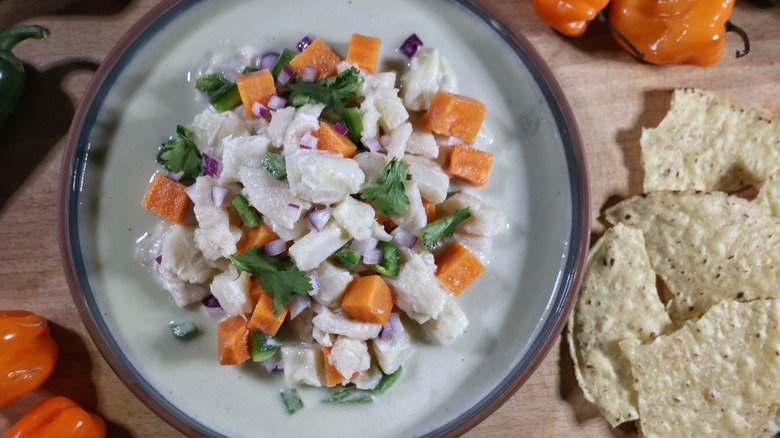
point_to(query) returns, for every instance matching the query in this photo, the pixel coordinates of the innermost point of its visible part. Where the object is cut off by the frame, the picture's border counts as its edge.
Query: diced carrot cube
(470, 164)
(256, 236)
(455, 115)
(332, 375)
(364, 51)
(368, 299)
(430, 210)
(234, 340)
(319, 56)
(457, 268)
(254, 87)
(331, 141)
(167, 198)
(263, 318)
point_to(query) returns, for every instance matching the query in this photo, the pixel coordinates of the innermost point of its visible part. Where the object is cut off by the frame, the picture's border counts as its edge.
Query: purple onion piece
(309, 74)
(365, 245)
(299, 304)
(275, 247)
(303, 43)
(277, 102)
(176, 175)
(285, 75)
(268, 60)
(272, 364)
(211, 301)
(373, 144)
(340, 128)
(158, 259)
(373, 257)
(393, 327)
(317, 218)
(218, 195)
(259, 110)
(315, 282)
(308, 141)
(410, 46)
(404, 238)
(211, 166)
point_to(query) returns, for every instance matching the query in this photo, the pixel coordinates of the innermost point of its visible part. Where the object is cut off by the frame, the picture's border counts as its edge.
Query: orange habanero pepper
(27, 354)
(569, 17)
(675, 32)
(58, 417)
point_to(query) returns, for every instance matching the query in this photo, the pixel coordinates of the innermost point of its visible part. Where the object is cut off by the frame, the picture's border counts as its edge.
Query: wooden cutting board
(613, 96)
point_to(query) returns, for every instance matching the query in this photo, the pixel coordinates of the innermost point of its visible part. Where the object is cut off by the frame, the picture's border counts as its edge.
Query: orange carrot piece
(331, 141)
(319, 56)
(234, 340)
(254, 87)
(263, 319)
(256, 236)
(470, 164)
(332, 375)
(430, 210)
(457, 268)
(455, 115)
(167, 198)
(368, 299)
(363, 51)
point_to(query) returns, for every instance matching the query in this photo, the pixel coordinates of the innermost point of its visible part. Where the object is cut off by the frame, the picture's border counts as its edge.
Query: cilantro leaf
(434, 231)
(275, 274)
(332, 91)
(388, 195)
(181, 154)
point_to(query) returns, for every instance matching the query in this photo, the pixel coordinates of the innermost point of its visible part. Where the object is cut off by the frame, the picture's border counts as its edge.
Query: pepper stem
(11, 37)
(600, 16)
(731, 27)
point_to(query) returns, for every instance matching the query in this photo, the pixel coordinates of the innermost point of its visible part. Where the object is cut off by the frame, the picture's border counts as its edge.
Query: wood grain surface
(612, 94)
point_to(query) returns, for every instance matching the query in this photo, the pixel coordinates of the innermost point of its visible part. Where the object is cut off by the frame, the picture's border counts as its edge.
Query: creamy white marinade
(316, 212)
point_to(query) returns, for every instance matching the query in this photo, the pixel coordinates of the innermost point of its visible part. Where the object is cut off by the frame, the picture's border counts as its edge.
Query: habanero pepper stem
(12, 75)
(731, 27)
(603, 20)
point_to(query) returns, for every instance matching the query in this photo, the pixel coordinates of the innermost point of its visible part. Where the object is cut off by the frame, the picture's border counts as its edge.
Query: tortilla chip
(769, 195)
(719, 376)
(707, 247)
(708, 142)
(618, 300)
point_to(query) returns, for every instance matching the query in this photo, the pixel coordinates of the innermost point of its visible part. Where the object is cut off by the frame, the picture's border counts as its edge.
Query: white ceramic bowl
(517, 309)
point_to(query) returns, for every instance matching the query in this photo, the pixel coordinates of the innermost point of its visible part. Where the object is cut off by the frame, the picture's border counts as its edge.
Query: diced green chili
(390, 266)
(274, 164)
(245, 211)
(264, 346)
(350, 395)
(284, 59)
(353, 123)
(387, 381)
(292, 400)
(184, 329)
(347, 258)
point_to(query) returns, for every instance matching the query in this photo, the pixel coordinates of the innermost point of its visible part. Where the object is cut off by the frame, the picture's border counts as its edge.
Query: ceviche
(317, 208)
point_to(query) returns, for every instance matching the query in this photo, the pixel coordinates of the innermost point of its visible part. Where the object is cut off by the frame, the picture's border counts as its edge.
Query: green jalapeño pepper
(12, 78)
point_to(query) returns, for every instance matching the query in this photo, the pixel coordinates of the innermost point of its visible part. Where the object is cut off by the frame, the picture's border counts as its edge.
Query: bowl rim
(574, 152)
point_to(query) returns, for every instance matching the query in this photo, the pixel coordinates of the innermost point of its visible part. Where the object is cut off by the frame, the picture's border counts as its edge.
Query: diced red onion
(298, 304)
(268, 60)
(303, 43)
(317, 218)
(259, 110)
(309, 74)
(393, 327)
(293, 210)
(315, 282)
(309, 141)
(211, 301)
(373, 256)
(385, 139)
(365, 245)
(211, 166)
(405, 238)
(409, 47)
(275, 247)
(273, 363)
(218, 195)
(158, 259)
(340, 128)
(276, 102)
(373, 144)
(176, 175)
(216, 313)
(285, 75)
